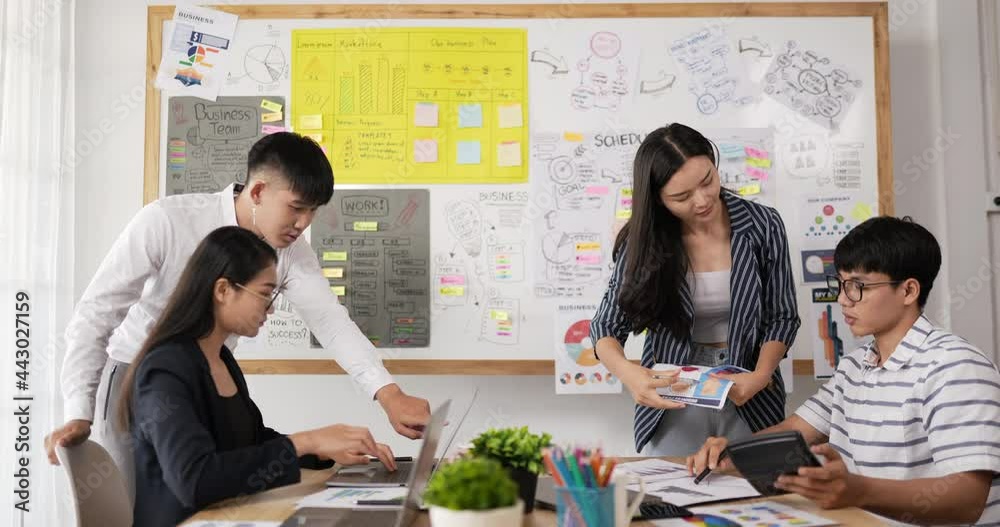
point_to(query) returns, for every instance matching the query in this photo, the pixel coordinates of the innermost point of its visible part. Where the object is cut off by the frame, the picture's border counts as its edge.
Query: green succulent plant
(471, 484)
(515, 448)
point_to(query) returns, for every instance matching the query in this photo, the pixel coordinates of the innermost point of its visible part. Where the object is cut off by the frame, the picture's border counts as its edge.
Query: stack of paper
(347, 498)
(672, 483)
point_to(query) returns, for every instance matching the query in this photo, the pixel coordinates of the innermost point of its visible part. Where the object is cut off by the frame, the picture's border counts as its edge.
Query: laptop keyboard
(401, 475)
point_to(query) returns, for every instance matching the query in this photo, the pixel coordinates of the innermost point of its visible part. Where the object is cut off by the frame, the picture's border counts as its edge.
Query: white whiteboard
(651, 87)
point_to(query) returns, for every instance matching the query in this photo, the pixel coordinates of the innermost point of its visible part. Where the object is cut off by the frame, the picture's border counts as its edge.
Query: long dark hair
(233, 253)
(655, 260)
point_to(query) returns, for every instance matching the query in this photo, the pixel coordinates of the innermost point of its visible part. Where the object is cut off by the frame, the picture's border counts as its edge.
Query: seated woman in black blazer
(198, 437)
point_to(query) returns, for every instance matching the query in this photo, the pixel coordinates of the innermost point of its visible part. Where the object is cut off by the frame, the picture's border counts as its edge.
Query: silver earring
(253, 216)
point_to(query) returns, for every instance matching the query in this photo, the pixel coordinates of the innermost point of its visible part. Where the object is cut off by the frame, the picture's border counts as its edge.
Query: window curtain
(36, 244)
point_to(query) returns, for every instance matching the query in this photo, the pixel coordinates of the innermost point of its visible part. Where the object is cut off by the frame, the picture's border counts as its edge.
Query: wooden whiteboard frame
(877, 11)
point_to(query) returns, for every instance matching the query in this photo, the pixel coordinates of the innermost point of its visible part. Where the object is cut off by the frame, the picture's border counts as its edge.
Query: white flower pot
(503, 517)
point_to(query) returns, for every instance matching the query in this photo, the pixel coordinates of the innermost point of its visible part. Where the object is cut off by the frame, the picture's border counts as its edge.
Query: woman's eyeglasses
(270, 300)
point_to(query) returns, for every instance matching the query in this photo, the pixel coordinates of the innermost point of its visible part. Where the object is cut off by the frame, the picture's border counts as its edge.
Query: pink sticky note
(178, 154)
(425, 151)
(597, 190)
(425, 114)
(756, 152)
(757, 173)
(268, 129)
(588, 258)
(627, 202)
(453, 280)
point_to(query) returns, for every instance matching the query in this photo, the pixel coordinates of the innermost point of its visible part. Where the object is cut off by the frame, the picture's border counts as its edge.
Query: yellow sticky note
(627, 191)
(750, 190)
(271, 117)
(311, 122)
(509, 154)
(453, 290)
(510, 116)
(315, 137)
(333, 272)
(270, 105)
(759, 163)
(861, 212)
(573, 137)
(366, 226)
(335, 256)
(623, 214)
(338, 290)
(496, 314)
(588, 246)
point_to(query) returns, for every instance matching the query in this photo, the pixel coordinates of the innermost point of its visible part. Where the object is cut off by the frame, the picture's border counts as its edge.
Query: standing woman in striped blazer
(707, 273)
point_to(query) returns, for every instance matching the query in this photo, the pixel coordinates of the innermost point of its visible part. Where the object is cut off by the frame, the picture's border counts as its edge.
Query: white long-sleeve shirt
(141, 271)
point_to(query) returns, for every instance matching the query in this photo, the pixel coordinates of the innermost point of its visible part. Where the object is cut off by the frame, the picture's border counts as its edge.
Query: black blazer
(185, 458)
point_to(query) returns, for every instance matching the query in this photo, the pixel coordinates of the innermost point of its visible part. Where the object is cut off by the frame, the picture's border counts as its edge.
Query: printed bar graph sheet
(414, 105)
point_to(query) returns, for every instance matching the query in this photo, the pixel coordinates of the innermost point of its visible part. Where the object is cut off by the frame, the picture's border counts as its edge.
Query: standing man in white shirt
(289, 178)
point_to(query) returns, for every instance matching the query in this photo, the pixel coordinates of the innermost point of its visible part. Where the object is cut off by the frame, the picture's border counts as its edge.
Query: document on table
(347, 497)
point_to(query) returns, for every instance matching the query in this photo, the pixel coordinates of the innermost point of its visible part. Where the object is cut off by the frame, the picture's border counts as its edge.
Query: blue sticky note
(468, 153)
(470, 115)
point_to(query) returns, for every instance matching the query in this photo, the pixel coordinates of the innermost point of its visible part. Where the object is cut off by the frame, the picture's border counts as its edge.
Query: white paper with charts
(672, 483)
(196, 52)
(578, 369)
(697, 385)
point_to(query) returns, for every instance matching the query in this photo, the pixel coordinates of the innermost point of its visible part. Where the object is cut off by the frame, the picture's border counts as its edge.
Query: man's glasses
(853, 289)
(270, 300)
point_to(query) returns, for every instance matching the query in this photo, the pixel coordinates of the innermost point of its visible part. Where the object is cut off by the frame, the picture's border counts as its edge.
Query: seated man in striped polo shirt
(909, 425)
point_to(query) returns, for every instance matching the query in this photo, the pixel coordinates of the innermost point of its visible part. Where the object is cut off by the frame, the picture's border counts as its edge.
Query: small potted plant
(520, 452)
(473, 492)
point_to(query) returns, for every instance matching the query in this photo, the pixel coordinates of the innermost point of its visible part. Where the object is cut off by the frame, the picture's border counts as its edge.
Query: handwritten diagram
(602, 74)
(208, 142)
(585, 180)
(414, 105)
(810, 83)
(261, 62)
(746, 165)
(715, 74)
(480, 271)
(374, 248)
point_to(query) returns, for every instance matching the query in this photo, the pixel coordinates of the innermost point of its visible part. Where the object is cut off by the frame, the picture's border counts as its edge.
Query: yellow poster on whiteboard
(415, 105)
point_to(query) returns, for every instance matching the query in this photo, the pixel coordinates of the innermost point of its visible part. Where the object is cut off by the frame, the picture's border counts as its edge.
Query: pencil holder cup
(585, 506)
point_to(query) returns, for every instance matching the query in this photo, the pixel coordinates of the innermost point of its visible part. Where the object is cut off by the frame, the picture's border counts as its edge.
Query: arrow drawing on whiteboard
(752, 44)
(613, 176)
(544, 57)
(549, 216)
(663, 83)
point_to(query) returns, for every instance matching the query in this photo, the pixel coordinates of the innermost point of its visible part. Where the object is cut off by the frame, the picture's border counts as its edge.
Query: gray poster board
(374, 247)
(208, 142)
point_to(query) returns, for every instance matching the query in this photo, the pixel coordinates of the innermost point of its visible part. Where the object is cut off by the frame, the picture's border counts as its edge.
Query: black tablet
(762, 458)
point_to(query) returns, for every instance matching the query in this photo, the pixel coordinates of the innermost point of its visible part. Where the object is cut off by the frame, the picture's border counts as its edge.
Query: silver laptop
(375, 474)
(420, 474)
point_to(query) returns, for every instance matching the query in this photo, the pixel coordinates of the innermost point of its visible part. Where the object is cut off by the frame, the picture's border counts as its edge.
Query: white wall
(109, 192)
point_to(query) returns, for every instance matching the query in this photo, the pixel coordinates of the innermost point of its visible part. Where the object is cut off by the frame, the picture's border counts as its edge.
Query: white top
(929, 411)
(712, 302)
(131, 288)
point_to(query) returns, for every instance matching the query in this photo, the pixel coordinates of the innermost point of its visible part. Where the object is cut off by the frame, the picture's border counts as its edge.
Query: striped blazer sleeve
(610, 320)
(780, 310)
